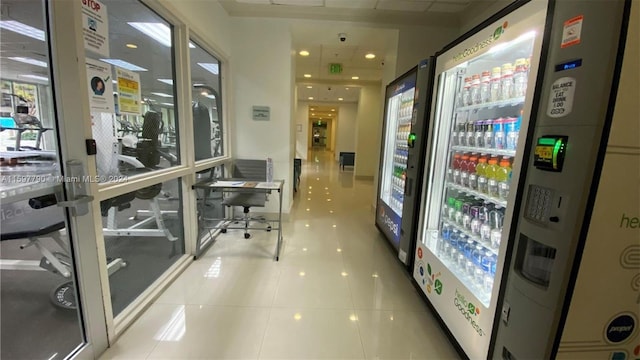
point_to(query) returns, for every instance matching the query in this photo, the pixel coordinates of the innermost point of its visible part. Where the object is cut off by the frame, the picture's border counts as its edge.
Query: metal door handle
(79, 200)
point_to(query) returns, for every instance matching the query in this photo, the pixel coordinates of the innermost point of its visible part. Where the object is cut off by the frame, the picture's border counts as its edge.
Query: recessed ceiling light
(132, 46)
(123, 64)
(370, 56)
(304, 53)
(333, 109)
(340, 99)
(313, 114)
(157, 31)
(30, 61)
(22, 29)
(309, 87)
(213, 68)
(307, 75)
(166, 81)
(162, 94)
(312, 110)
(310, 97)
(355, 77)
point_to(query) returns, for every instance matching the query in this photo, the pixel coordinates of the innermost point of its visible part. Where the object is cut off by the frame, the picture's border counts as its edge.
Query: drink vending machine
(401, 159)
(524, 93)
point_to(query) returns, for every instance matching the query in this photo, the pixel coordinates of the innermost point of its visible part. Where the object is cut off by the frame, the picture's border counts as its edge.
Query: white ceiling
(367, 26)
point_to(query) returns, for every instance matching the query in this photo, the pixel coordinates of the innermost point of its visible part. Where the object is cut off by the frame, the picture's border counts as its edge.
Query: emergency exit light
(335, 68)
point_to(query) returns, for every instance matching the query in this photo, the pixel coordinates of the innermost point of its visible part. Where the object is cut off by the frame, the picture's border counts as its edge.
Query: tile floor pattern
(337, 293)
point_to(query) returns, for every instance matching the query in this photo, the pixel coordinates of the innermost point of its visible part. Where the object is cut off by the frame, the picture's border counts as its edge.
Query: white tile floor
(337, 292)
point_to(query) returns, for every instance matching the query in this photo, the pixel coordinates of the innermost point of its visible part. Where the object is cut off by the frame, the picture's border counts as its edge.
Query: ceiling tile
(299, 2)
(447, 7)
(403, 5)
(351, 4)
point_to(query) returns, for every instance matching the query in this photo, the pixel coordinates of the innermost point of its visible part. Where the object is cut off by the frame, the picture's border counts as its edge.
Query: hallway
(336, 293)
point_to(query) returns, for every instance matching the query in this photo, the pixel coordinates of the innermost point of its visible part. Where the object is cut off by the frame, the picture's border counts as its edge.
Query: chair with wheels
(247, 170)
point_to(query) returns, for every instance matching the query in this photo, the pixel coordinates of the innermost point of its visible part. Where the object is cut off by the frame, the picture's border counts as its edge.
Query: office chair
(248, 170)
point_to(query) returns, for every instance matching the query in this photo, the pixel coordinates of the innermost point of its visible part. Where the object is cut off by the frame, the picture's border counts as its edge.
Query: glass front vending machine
(501, 92)
(401, 158)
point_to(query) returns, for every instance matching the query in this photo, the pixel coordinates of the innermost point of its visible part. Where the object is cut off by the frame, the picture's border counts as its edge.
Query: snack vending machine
(401, 158)
(534, 64)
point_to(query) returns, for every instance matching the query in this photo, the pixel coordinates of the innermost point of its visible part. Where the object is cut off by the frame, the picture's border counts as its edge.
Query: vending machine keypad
(539, 203)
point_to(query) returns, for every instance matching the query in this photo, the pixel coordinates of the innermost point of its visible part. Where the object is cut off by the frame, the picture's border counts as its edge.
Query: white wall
(302, 137)
(368, 128)
(266, 82)
(416, 43)
(479, 12)
(346, 129)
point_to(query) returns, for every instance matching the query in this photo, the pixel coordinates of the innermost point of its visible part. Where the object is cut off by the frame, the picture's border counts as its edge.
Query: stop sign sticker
(419, 253)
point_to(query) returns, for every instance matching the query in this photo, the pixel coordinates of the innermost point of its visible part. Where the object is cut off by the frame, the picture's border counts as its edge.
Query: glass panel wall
(130, 77)
(207, 104)
(39, 311)
(144, 236)
(136, 126)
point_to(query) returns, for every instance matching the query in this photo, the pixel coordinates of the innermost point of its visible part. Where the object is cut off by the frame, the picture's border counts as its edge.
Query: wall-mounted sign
(129, 96)
(262, 113)
(100, 86)
(95, 27)
(335, 68)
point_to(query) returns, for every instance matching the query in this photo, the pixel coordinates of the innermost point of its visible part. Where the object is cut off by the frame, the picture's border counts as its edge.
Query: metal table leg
(279, 225)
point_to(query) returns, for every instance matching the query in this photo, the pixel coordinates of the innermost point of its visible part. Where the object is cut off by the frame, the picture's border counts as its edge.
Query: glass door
(481, 111)
(50, 285)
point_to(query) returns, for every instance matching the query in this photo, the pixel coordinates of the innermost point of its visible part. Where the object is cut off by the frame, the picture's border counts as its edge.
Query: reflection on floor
(337, 292)
(32, 327)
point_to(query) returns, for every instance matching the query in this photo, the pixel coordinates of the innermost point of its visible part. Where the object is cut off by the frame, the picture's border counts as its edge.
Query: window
(132, 92)
(207, 104)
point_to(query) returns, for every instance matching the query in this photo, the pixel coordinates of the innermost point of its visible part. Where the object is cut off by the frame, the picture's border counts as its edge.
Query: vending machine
(401, 159)
(522, 93)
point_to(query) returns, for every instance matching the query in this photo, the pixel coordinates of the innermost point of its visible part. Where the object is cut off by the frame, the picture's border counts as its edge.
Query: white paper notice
(95, 27)
(129, 97)
(100, 86)
(561, 97)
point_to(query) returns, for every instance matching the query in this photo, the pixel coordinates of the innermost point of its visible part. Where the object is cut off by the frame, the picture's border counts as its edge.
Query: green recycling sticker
(437, 286)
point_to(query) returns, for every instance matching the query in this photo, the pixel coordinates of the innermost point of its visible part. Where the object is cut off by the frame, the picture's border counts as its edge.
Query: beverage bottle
(462, 134)
(471, 169)
(513, 130)
(492, 181)
(494, 84)
(504, 177)
(485, 87)
(464, 172)
(466, 92)
(488, 134)
(481, 174)
(520, 78)
(479, 133)
(456, 168)
(475, 89)
(499, 136)
(470, 137)
(506, 82)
